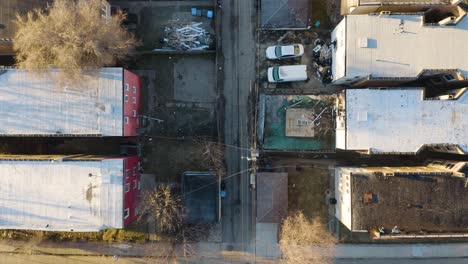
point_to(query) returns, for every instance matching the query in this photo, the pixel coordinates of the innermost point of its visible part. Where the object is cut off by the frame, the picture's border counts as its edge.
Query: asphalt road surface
(238, 24)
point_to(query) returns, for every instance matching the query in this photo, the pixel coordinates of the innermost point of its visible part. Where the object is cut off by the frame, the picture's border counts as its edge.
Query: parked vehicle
(292, 73)
(284, 52)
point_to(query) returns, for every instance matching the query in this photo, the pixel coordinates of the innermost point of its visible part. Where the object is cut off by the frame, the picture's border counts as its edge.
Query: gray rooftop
(58, 195)
(401, 120)
(39, 105)
(393, 46)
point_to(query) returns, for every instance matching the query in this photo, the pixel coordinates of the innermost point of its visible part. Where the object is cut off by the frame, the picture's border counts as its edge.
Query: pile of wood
(187, 36)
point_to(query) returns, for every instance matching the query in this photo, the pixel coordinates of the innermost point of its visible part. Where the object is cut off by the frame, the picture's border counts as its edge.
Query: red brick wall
(132, 184)
(131, 88)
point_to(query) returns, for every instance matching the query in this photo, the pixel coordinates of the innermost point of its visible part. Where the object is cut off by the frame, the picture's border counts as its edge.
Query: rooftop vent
(363, 42)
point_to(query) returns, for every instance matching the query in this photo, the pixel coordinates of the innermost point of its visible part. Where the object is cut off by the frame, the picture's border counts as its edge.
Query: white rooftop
(400, 120)
(397, 46)
(60, 196)
(33, 105)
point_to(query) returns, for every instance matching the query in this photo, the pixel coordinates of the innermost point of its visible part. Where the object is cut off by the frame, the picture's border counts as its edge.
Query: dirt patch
(308, 180)
(306, 191)
(169, 158)
(325, 13)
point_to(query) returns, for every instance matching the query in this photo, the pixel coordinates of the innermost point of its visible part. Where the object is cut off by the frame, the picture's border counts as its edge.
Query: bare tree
(164, 207)
(303, 241)
(213, 157)
(71, 35)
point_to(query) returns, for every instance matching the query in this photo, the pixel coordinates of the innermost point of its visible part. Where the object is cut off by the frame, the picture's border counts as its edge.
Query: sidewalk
(221, 250)
(458, 250)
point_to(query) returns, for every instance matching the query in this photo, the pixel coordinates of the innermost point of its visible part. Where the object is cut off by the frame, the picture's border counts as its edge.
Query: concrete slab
(267, 240)
(194, 80)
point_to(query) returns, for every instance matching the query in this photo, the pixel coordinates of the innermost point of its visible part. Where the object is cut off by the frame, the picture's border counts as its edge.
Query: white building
(378, 121)
(373, 6)
(103, 104)
(67, 193)
(390, 50)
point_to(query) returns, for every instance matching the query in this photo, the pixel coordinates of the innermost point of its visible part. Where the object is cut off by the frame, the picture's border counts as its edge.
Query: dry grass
(73, 36)
(306, 191)
(213, 156)
(34, 237)
(163, 207)
(303, 241)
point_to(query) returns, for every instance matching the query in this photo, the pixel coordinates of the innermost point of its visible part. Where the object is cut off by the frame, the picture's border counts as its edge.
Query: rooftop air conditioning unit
(447, 21)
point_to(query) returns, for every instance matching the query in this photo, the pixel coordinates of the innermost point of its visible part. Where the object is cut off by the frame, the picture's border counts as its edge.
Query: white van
(292, 73)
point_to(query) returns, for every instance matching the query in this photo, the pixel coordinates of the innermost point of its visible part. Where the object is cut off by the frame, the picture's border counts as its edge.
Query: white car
(284, 52)
(291, 73)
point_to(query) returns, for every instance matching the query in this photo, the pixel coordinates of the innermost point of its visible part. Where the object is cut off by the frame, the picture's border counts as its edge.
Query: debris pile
(187, 36)
(322, 60)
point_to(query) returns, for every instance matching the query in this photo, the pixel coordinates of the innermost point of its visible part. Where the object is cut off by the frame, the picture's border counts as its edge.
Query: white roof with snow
(400, 120)
(397, 46)
(37, 105)
(61, 196)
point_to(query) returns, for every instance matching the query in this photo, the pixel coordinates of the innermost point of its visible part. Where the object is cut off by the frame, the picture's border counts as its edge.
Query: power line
(216, 181)
(197, 139)
(240, 172)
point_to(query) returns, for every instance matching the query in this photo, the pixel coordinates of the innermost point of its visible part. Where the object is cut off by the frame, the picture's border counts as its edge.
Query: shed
(201, 197)
(272, 197)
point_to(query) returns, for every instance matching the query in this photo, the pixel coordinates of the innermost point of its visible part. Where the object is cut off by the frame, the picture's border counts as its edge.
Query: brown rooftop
(272, 197)
(414, 203)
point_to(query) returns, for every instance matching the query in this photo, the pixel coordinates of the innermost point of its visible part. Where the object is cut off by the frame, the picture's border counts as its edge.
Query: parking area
(317, 58)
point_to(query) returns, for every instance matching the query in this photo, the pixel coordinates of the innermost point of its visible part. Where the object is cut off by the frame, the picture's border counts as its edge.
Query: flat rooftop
(397, 46)
(401, 120)
(414, 203)
(201, 197)
(61, 195)
(39, 105)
